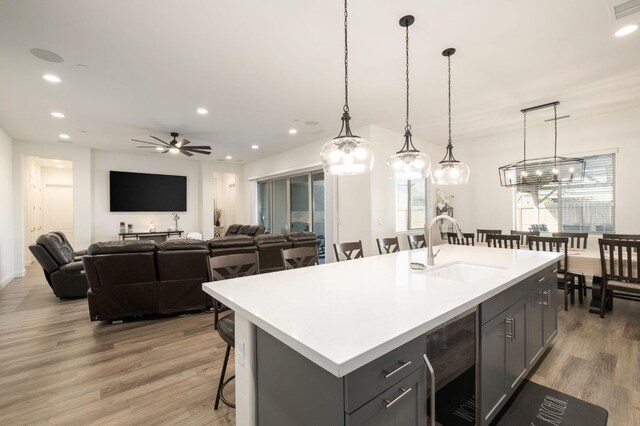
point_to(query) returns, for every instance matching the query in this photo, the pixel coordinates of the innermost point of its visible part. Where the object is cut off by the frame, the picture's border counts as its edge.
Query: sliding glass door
(291, 204)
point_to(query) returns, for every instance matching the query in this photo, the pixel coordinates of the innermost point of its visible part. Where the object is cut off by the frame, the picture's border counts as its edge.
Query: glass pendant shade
(409, 163)
(347, 155)
(451, 173)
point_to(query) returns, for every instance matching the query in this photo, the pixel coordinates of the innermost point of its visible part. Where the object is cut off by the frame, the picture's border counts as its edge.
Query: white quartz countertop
(343, 315)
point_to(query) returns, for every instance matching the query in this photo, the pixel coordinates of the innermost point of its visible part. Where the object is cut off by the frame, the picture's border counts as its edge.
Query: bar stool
(350, 251)
(299, 257)
(388, 245)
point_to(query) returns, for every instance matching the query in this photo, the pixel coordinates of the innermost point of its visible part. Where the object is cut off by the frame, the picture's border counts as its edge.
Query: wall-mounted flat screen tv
(142, 192)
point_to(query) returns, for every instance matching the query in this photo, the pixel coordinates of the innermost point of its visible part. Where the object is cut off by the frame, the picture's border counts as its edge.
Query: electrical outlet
(380, 221)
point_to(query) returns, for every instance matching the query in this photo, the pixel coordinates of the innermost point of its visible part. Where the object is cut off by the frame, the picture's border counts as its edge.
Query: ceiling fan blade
(187, 153)
(160, 140)
(150, 143)
(198, 147)
(183, 142)
(165, 151)
(197, 151)
(148, 147)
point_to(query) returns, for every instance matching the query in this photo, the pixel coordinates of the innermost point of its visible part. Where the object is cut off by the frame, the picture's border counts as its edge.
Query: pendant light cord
(407, 127)
(449, 58)
(555, 137)
(524, 155)
(346, 61)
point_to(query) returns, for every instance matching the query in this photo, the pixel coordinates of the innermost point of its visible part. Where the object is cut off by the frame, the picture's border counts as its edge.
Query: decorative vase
(217, 223)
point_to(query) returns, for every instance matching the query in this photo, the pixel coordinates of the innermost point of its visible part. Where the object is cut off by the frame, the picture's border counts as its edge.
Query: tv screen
(142, 192)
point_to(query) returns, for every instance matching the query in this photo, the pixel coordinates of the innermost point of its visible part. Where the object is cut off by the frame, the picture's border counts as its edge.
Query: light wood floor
(57, 367)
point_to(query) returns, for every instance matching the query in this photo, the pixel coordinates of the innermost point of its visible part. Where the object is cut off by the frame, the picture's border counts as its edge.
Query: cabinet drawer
(541, 278)
(370, 380)
(502, 301)
(403, 404)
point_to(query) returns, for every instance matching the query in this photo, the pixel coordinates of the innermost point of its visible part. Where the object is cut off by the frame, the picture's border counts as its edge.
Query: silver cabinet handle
(403, 365)
(510, 333)
(513, 329)
(433, 389)
(547, 295)
(555, 270)
(542, 279)
(396, 399)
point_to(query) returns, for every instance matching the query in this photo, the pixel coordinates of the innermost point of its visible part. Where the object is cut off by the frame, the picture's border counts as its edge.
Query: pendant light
(450, 171)
(346, 154)
(408, 163)
(542, 171)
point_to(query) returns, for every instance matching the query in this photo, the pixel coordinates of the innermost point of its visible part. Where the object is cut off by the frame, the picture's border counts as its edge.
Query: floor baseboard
(8, 279)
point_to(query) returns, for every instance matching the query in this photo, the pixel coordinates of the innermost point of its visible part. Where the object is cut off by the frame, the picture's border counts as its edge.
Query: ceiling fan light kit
(450, 170)
(542, 171)
(175, 147)
(346, 154)
(408, 163)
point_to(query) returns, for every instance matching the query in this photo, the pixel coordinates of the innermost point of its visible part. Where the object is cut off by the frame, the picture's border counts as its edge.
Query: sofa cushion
(301, 236)
(73, 268)
(183, 244)
(231, 241)
(269, 239)
(112, 247)
(233, 229)
(244, 229)
(255, 230)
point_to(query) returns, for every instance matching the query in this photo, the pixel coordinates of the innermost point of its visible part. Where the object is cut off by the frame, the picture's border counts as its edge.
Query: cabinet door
(516, 344)
(403, 404)
(549, 310)
(535, 342)
(492, 365)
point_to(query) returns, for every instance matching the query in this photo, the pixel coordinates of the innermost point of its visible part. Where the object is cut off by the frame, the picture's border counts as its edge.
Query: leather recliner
(231, 244)
(250, 230)
(269, 247)
(303, 239)
(64, 273)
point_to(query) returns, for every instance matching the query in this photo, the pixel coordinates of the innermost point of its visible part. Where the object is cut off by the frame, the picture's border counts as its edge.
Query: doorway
(48, 199)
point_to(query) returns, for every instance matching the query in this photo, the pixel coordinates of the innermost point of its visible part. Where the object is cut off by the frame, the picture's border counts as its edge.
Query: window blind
(588, 206)
(412, 203)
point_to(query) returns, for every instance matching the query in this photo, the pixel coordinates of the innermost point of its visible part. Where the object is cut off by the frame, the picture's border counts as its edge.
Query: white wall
(483, 203)
(8, 269)
(82, 206)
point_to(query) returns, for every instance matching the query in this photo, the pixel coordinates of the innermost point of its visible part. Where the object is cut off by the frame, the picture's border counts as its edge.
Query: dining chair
(566, 280)
(224, 268)
(524, 235)
(503, 241)
(299, 257)
(576, 239)
(483, 233)
(620, 271)
(468, 238)
(628, 237)
(416, 241)
(349, 251)
(388, 245)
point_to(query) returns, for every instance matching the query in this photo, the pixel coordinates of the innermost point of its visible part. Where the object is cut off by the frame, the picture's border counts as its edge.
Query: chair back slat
(524, 235)
(349, 251)
(484, 233)
(388, 245)
(552, 244)
(503, 241)
(233, 266)
(299, 257)
(468, 238)
(629, 237)
(576, 239)
(620, 252)
(416, 241)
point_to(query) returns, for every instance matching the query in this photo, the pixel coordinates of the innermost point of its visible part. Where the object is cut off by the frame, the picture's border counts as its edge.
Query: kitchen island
(323, 327)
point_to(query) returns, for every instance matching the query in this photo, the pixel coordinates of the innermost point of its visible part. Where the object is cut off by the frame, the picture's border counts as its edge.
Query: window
(588, 206)
(412, 202)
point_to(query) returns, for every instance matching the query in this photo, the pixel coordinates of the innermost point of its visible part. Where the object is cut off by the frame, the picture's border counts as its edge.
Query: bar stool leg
(220, 383)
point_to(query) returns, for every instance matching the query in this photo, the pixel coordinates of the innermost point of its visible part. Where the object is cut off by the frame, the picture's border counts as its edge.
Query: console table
(159, 236)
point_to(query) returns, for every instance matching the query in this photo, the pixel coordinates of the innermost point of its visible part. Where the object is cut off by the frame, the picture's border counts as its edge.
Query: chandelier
(542, 171)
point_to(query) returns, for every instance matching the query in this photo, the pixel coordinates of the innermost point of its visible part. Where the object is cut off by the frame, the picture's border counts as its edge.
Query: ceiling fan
(175, 146)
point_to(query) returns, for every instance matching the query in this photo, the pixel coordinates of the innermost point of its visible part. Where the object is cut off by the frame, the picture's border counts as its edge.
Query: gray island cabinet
(372, 342)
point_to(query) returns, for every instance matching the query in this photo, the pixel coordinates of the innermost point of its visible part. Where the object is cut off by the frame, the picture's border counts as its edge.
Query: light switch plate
(240, 354)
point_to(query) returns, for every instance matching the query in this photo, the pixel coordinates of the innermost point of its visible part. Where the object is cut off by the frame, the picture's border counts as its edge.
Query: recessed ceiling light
(59, 166)
(56, 161)
(57, 114)
(626, 30)
(159, 148)
(292, 131)
(63, 136)
(254, 147)
(174, 150)
(202, 111)
(52, 78)
(228, 157)
(82, 66)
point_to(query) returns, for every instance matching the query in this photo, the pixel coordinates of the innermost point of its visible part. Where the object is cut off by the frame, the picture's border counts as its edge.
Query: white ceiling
(262, 67)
